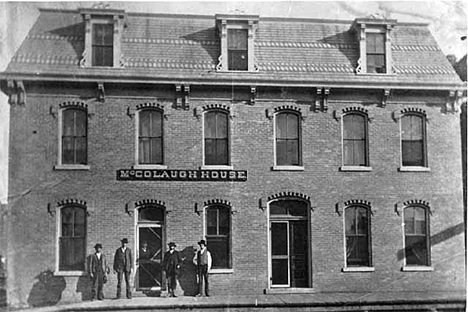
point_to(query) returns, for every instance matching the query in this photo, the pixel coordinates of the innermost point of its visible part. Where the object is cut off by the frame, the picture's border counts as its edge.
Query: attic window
(374, 45)
(103, 32)
(237, 33)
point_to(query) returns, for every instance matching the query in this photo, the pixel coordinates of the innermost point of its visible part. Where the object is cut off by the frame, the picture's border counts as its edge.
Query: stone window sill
(72, 167)
(216, 167)
(288, 290)
(149, 167)
(417, 269)
(414, 169)
(358, 269)
(355, 168)
(70, 273)
(221, 271)
(287, 168)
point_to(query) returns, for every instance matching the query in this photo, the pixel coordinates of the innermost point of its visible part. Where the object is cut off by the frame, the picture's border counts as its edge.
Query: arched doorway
(150, 240)
(289, 244)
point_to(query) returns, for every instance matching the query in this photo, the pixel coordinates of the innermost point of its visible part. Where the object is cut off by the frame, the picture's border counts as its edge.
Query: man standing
(97, 271)
(203, 261)
(171, 265)
(123, 263)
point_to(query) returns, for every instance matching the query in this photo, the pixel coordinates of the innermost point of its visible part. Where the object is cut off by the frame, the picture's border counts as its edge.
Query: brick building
(312, 155)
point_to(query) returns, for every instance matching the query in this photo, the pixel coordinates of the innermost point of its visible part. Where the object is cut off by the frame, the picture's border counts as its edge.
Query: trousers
(203, 279)
(120, 274)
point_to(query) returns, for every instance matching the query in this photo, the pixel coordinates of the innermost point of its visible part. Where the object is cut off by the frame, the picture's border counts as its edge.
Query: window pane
(354, 127)
(221, 125)
(68, 150)
(210, 125)
(370, 43)
(151, 214)
(68, 122)
(375, 43)
(292, 152)
(419, 221)
(79, 226)
(281, 152)
(357, 251)
(412, 153)
(145, 123)
(212, 222)
(281, 126)
(409, 220)
(144, 151)
(81, 151)
(412, 128)
(277, 208)
(350, 220)
(108, 34)
(156, 123)
(219, 249)
(237, 39)
(221, 152)
(156, 151)
(223, 221)
(279, 236)
(416, 250)
(279, 269)
(67, 221)
(237, 60)
(296, 208)
(361, 219)
(292, 126)
(80, 122)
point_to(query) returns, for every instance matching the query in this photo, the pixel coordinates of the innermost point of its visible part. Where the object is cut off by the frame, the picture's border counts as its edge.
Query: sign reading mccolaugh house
(181, 175)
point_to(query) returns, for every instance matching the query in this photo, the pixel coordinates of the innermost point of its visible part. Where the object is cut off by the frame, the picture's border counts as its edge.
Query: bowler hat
(125, 241)
(202, 242)
(172, 244)
(97, 246)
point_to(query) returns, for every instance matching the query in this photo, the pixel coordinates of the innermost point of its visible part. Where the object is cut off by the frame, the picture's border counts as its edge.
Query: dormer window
(374, 45)
(103, 32)
(237, 33)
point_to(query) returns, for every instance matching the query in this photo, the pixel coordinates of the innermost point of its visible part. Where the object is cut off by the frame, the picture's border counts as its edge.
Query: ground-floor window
(72, 238)
(218, 229)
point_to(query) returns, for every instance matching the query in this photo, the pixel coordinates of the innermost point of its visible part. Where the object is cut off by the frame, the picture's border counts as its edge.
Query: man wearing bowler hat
(171, 265)
(123, 263)
(203, 261)
(97, 271)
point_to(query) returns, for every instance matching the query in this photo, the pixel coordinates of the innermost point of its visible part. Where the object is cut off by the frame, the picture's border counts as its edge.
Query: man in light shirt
(203, 262)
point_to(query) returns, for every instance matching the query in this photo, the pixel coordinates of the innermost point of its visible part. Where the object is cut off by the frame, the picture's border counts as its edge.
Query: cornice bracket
(253, 95)
(385, 97)
(16, 92)
(101, 92)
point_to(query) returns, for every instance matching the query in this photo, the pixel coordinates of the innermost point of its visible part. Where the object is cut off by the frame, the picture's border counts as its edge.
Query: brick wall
(111, 137)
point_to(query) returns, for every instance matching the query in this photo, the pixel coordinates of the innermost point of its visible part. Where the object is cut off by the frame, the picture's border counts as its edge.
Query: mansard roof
(185, 48)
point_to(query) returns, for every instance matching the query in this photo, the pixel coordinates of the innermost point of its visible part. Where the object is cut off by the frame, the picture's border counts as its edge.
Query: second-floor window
(237, 49)
(355, 140)
(103, 45)
(287, 139)
(413, 140)
(216, 138)
(150, 137)
(375, 50)
(74, 137)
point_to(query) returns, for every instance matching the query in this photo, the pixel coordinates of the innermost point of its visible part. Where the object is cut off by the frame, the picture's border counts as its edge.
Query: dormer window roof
(103, 32)
(375, 51)
(237, 34)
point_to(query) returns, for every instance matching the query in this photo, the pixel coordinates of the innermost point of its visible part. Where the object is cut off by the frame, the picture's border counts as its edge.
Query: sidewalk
(400, 301)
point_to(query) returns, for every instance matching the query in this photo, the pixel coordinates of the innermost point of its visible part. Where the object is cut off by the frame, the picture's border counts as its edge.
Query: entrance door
(150, 240)
(289, 242)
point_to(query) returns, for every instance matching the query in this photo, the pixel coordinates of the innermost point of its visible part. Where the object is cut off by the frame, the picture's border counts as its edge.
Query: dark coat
(93, 264)
(171, 262)
(123, 262)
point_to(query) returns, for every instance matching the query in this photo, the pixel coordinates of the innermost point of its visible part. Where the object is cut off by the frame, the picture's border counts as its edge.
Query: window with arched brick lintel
(218, 233)
(416, 235)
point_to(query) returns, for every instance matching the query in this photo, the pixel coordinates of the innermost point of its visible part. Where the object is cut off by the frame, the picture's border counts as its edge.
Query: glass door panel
(150, 253)
(279, 254)
(299, 254)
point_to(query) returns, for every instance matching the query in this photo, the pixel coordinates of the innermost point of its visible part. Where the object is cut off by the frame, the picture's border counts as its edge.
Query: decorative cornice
(217, 201)
(149, 202)
(282, 195)
(71, 201)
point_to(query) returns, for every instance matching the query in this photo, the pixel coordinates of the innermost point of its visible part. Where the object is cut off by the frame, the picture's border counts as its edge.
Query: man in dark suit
(123, 263)
(97, 271)
(171, 265)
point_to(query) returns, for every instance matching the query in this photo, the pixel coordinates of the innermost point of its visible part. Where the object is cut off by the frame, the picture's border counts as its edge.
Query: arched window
(357, 231)
(72, 238)
(288, 145)
(355, 140)
(417, 248)
(216, 138)
(218, 235)
(413, 140)
(150, 137)
(74, 136)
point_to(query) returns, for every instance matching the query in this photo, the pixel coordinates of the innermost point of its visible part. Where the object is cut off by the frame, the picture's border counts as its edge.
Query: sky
(447, 21)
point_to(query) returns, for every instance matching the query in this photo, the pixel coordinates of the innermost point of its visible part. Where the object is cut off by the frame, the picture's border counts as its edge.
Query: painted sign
(181, 175)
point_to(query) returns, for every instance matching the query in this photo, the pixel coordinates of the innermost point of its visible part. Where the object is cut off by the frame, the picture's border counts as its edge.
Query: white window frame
(347, 268)
(217, 167)
(277, 167)
(60, 165)
(137, 139)
(204, 224)
(424, 168)
(416, 268)
(58, 233)
(355, 168)
(225, 22)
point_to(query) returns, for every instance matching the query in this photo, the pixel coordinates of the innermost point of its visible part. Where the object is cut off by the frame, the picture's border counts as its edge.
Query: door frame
(309, 242)
(147, 224)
